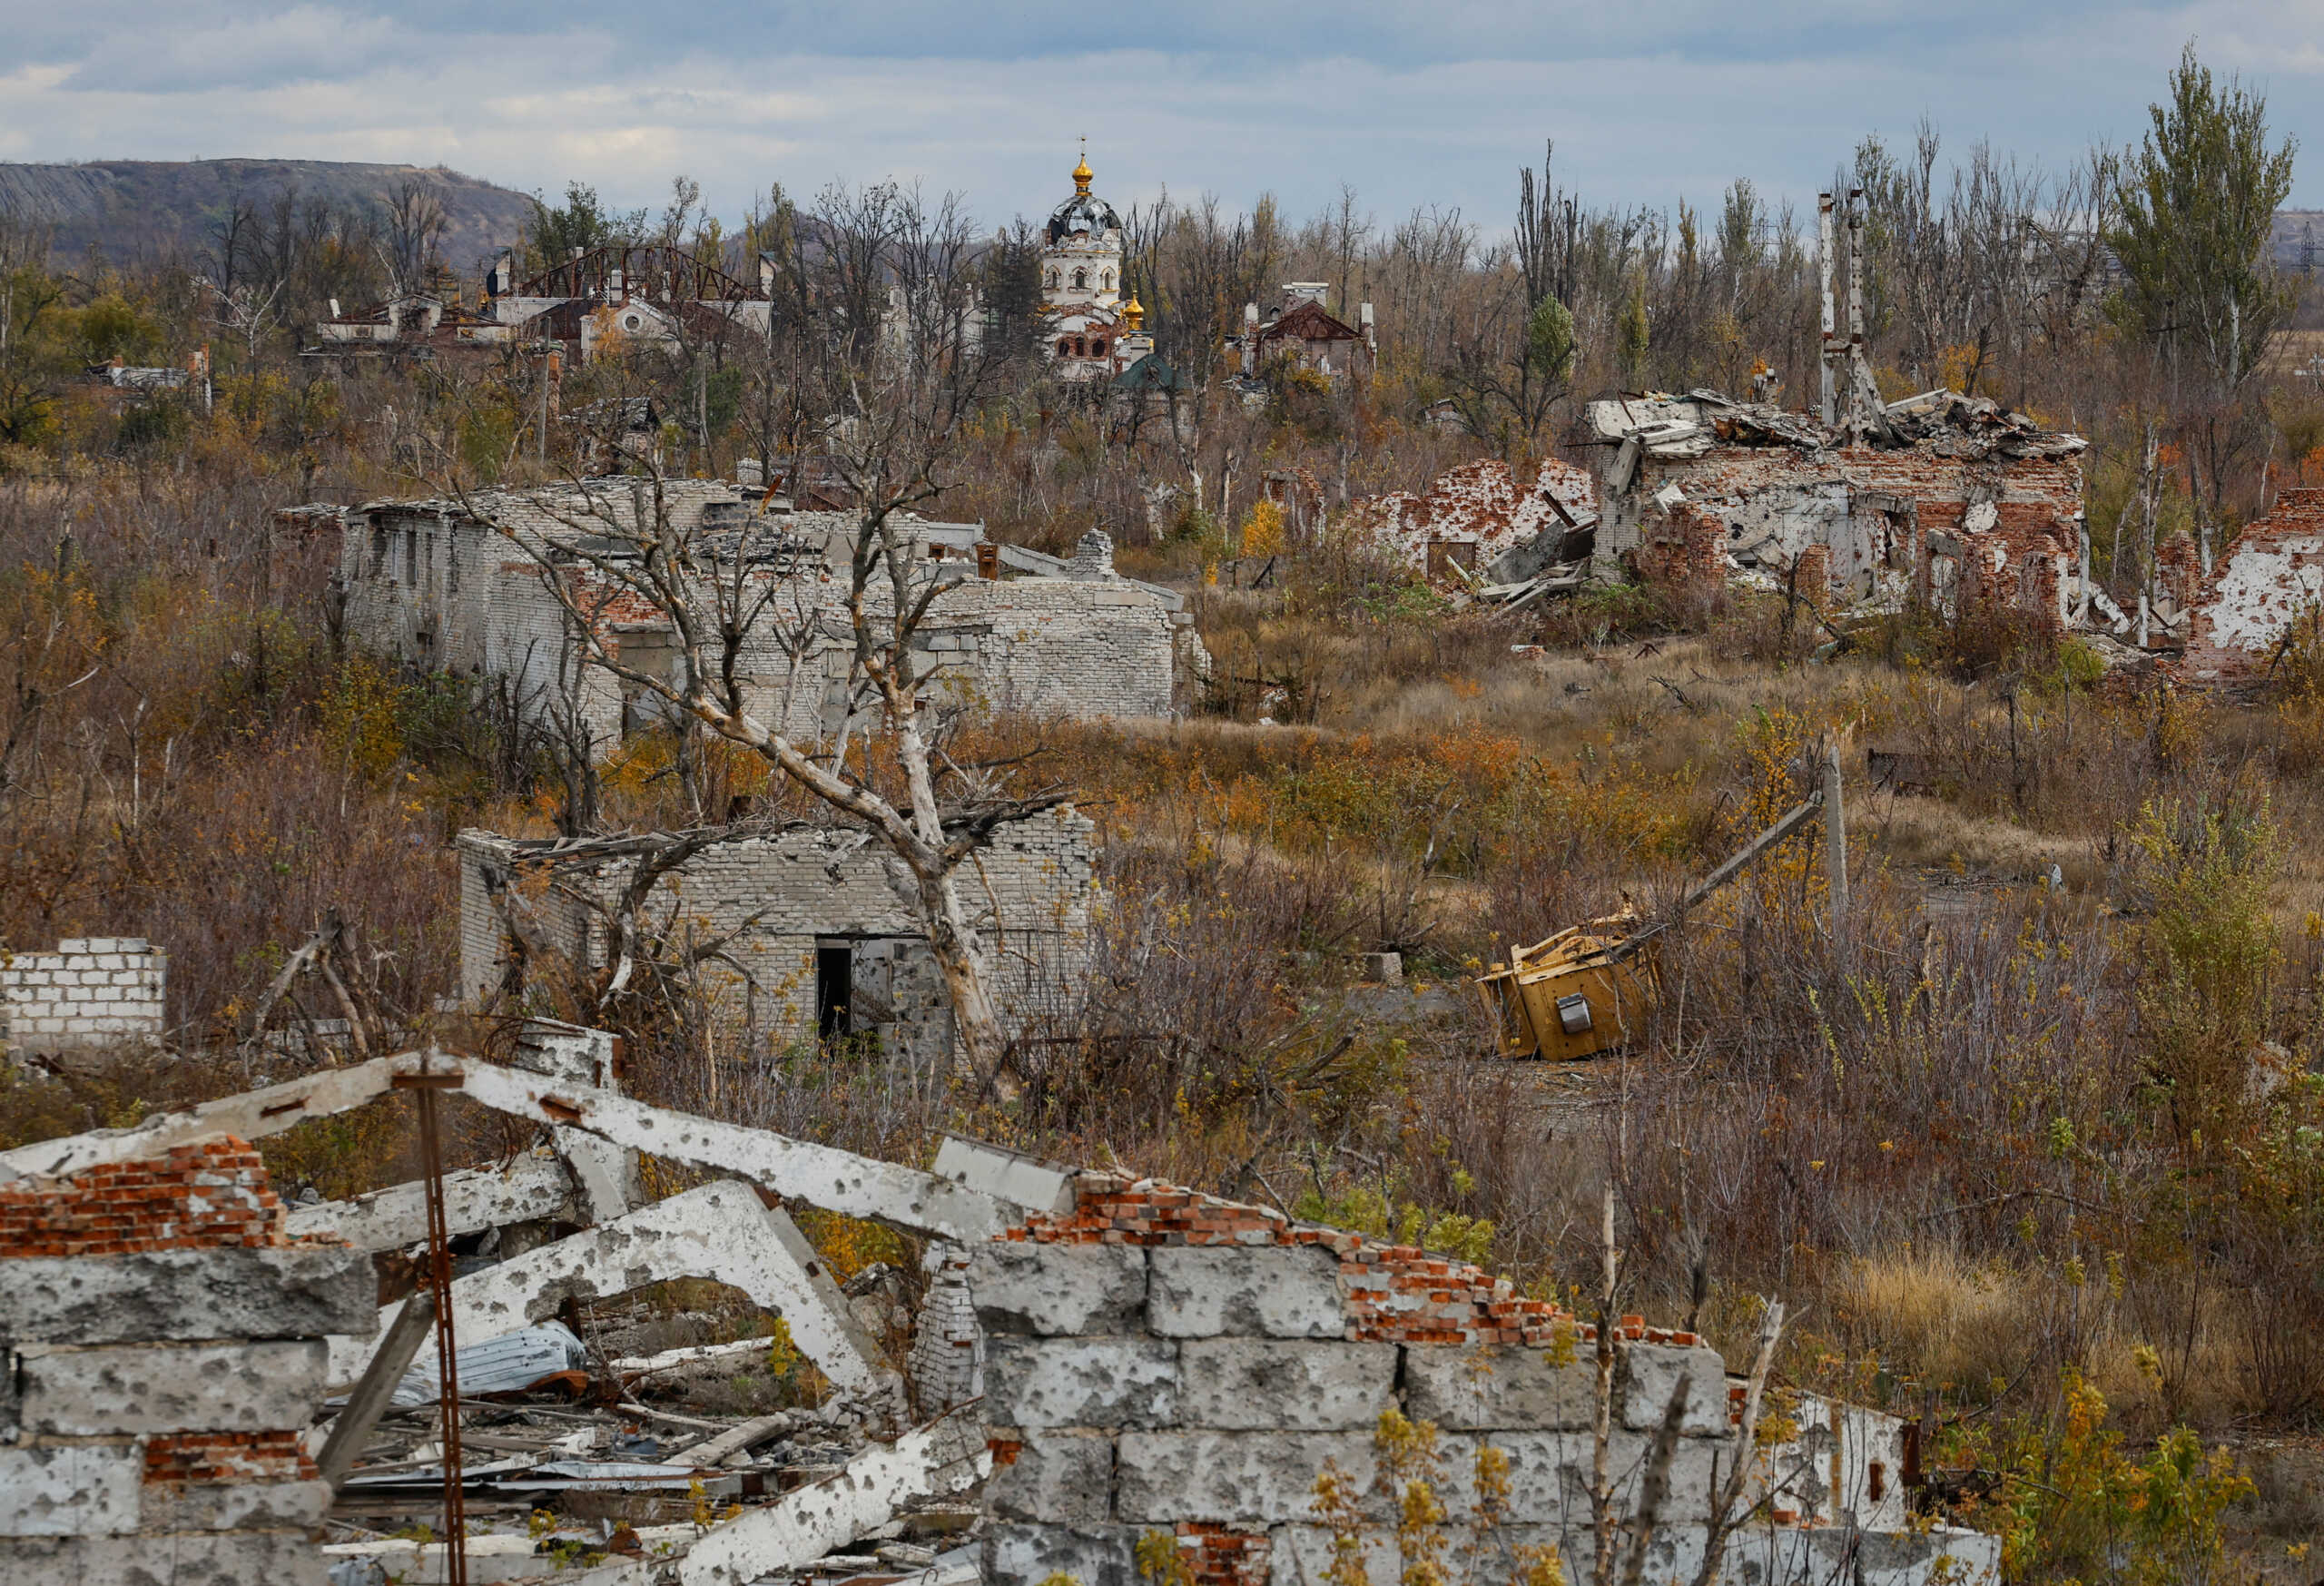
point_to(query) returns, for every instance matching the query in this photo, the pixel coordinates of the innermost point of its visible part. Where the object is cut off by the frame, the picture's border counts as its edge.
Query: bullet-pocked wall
(1163, 1364)
(165, 1353)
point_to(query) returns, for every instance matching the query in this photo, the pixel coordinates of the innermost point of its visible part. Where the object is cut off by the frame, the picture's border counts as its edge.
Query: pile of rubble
(1957, 426)
(1101, 1367)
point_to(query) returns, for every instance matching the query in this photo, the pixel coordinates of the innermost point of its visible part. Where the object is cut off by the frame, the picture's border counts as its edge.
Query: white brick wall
(1029, 896)
(427, 583)
(92, 990)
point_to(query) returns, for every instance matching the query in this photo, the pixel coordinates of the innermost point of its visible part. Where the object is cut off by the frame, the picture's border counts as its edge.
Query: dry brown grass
(1934, 1314)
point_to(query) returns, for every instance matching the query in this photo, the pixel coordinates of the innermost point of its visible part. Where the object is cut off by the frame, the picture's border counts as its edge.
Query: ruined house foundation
(1123, 1380)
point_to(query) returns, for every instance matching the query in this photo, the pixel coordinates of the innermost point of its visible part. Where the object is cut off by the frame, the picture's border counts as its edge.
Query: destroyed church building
(459, 586)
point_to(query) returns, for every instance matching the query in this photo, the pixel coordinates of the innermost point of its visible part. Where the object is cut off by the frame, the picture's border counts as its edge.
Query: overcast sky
(1413, 103)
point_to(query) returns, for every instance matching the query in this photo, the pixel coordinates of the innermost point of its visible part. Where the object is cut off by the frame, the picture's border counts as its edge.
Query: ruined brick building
(1173, 1384)
(650, 295)
(2263, 593)
(458, 586)
(1950, 498)
(1475, 518)
(1303, 332)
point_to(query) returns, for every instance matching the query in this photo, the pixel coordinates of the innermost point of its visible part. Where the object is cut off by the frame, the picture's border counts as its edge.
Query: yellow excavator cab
(1586, 990)
(1568, 996)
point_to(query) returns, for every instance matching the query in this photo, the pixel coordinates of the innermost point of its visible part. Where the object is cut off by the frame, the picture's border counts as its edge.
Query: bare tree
(755, 598)
(416, 223)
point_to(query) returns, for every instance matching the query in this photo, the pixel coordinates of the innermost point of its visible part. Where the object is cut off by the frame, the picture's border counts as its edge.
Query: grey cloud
(173, 52)
(623, 105)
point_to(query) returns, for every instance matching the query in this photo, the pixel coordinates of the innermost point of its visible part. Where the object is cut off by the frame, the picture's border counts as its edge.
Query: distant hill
(136, 209)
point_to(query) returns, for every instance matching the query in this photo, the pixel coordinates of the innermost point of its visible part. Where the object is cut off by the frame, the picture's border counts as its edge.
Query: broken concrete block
(279, 1558)
(1065, 1478)
(212, 1387)
(1300, 1555)
(1006, 1175)
(1297, 1385)
(530, 1187)
(1649, 1374)
(251, 1115)
(718, 1230)
(605, 1176)
(1488, 1386)
(236, 1505)
(242, 1293)
(1081, 1382)
(1056, 1290)
(1674, 1553)
(822, 1176)
(1236, 1478)
(1095, 1555)
(77, 1490)
(1549, 1474)
(944, 1456)
(1290, 1291)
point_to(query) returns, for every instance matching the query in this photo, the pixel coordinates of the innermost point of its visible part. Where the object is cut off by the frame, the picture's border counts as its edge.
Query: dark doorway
(834, 988)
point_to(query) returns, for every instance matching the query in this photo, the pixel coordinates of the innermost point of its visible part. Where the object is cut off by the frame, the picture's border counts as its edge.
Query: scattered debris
(1159, 1361)
(1946, 497)
(1475, 523)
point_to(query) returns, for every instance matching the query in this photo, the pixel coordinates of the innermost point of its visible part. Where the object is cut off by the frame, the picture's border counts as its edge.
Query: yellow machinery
(1574, 995)
(1589, 988)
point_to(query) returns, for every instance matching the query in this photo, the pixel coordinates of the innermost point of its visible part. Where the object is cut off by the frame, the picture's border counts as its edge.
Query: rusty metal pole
(439, 1278)
(1836, 852)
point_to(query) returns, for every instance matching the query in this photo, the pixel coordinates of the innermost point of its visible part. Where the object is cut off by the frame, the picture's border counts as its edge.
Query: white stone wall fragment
(719, 1231)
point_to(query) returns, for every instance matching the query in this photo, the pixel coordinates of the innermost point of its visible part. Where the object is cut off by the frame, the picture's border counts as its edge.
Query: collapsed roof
(1950, 424)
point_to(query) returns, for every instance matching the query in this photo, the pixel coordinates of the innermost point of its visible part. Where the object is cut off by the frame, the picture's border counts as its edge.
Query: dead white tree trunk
(1605, 1528)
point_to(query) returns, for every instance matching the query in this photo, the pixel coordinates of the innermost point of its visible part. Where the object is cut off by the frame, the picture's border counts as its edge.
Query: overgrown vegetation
(2046, 1162)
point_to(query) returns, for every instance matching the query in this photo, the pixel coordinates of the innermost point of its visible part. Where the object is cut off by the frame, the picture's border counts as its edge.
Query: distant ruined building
(582, 307)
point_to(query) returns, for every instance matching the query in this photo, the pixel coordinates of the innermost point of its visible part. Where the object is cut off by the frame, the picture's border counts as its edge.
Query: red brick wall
(1217, 1555)
(191, 1457)
(1684, 552)
(198, 1197)
(212, 1195)
(2035, 499)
